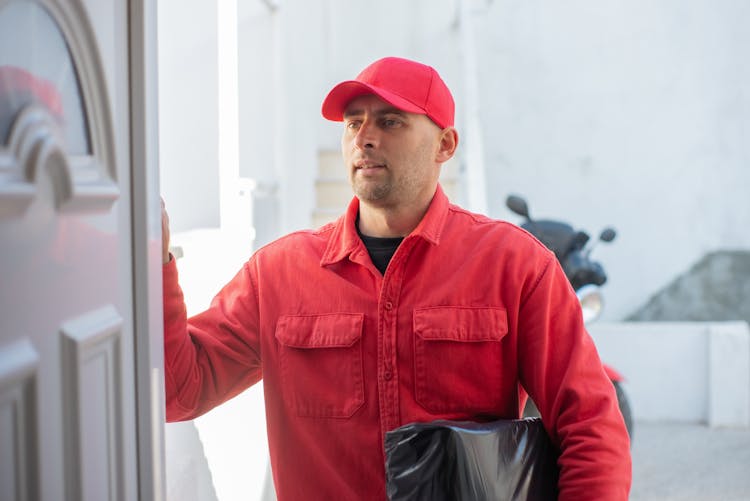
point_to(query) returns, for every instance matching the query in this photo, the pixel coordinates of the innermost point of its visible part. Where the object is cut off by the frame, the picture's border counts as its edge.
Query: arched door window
(44, 124)
(37, 69)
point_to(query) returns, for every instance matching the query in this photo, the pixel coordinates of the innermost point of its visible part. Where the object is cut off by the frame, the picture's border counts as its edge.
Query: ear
(448, 144)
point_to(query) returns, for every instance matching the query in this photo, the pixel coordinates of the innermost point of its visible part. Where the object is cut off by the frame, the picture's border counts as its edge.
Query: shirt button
(388, 305)
(387, 375)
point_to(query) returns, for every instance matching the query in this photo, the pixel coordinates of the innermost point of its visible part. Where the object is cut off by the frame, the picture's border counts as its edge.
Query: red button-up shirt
(468, 309)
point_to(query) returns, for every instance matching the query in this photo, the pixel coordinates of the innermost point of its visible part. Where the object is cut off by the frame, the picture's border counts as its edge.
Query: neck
(389, 222)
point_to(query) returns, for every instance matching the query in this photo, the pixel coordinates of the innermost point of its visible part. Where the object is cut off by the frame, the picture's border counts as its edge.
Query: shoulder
(308, 243)
(299, 239)
(482, 228)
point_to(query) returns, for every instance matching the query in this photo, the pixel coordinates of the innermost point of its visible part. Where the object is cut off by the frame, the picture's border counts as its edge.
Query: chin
(371, 192)
(371, 196)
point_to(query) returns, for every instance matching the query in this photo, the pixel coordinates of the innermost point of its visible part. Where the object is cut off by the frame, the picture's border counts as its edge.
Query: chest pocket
(320, 359)
(457, 358)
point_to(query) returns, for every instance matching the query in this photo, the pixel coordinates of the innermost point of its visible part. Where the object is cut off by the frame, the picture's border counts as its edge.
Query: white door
(71, 415)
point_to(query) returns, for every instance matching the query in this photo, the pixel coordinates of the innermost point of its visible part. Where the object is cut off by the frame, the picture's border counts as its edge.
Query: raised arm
(214, 355)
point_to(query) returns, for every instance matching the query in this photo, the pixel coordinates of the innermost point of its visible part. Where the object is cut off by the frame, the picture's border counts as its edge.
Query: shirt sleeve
(213, 356)
(561, 370)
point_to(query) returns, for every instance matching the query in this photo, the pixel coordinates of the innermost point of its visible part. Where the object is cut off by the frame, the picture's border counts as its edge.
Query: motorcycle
(573, 250)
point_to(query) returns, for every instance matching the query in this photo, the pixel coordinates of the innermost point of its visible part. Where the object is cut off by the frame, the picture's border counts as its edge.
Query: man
(406, 309)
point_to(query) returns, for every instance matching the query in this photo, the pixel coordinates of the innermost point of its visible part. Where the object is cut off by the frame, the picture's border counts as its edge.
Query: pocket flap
(461, 323)
(330, 330)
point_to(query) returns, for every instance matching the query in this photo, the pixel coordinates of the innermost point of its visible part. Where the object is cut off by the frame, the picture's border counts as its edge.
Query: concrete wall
(681, 371)
(715, 288)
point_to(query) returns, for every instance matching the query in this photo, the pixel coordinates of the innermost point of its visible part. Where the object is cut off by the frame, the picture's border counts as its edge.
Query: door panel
(19, 363)
(67, 345)
(92, 376)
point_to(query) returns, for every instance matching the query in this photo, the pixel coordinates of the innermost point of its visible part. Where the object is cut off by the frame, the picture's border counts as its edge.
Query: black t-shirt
(381, 250)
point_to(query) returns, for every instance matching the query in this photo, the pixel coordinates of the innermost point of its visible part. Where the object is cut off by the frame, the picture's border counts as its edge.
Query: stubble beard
(371, 192)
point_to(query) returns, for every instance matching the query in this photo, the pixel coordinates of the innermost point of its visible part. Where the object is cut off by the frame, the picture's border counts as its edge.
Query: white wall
(188, 476)
(690, 372)
(630, 113)
(188, 112)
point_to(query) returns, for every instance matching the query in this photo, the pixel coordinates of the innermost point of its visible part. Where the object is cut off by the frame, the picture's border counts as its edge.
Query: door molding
(92, 372)
(19, 364)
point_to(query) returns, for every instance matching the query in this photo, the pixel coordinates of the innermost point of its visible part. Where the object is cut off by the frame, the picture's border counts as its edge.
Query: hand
(164, 234)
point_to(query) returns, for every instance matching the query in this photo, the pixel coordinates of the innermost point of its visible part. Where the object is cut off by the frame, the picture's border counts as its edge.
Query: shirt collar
(343, 240)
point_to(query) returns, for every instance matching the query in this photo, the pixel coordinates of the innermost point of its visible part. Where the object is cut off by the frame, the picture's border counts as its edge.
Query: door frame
(147, 265)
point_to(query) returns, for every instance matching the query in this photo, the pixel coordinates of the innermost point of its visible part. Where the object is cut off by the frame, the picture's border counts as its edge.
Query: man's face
(391, 155)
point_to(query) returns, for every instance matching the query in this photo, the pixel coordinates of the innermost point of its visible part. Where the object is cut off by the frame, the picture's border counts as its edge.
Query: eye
(390, 123)
(352, 124)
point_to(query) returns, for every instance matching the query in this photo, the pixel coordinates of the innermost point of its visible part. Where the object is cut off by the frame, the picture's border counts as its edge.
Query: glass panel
(36, 67)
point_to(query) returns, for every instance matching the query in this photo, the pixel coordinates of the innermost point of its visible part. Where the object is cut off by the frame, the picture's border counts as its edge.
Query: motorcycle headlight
(591, 302)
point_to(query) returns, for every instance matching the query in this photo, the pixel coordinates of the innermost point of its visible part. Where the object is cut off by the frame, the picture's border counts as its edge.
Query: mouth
(367, 165)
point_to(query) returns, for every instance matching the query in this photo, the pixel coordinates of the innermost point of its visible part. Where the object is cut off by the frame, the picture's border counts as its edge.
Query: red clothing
(468, 308)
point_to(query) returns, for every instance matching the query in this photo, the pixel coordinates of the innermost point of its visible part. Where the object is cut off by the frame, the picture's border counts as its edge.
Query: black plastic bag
(467, 461)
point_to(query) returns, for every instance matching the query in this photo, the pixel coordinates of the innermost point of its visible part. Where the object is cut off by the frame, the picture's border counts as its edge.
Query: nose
(367, 135)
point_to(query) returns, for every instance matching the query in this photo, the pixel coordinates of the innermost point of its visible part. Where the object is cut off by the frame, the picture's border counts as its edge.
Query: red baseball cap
(408, 85)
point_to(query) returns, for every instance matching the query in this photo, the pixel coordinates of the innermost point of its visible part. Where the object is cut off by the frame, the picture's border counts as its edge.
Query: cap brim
(341, 95)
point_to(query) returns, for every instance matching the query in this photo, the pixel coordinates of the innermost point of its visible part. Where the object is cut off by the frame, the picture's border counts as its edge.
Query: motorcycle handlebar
(582, 271)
